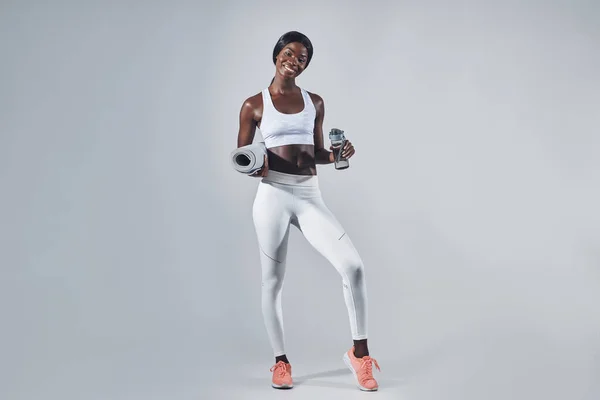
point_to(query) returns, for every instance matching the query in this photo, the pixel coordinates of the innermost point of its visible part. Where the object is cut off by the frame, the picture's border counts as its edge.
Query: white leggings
(283, 200)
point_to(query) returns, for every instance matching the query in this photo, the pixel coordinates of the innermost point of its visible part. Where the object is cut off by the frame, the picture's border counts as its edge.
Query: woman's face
(291, 60)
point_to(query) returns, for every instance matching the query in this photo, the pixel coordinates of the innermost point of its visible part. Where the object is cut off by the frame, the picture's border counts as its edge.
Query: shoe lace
(367, 365)
(279, 368)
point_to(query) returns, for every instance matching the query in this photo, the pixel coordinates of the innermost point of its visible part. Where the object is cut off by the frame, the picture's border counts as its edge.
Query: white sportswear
(279, 129)
(283, 200)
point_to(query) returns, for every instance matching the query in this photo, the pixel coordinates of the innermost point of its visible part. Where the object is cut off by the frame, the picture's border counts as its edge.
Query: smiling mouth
(289, 68)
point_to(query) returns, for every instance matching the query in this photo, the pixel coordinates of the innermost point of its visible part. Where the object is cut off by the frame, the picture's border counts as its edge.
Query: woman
(291, 122)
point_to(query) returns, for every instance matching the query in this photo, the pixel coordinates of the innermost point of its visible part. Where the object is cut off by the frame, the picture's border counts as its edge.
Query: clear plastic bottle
(338, 140)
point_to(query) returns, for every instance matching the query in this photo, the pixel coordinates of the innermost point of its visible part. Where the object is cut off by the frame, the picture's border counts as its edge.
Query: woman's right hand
(263, 171)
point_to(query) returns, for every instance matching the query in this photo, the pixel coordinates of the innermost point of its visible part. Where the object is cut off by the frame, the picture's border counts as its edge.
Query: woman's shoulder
(254, 102)
(316, 99)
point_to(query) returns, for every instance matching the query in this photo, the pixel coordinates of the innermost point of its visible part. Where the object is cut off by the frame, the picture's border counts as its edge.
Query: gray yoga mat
(249, 159)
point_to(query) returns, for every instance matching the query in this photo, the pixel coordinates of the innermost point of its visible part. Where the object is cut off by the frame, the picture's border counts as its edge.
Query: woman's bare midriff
(296, 159)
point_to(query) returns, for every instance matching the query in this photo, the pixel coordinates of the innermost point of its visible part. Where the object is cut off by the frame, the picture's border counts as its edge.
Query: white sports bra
(279, 129)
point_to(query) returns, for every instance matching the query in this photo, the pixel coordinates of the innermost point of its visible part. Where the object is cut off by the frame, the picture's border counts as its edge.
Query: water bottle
(338, 140)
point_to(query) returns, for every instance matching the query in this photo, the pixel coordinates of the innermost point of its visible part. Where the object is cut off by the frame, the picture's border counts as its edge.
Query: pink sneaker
(362, 368)
(282, 376)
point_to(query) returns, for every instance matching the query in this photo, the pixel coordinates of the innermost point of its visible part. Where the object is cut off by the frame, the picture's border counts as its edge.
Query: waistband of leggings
(291, 179)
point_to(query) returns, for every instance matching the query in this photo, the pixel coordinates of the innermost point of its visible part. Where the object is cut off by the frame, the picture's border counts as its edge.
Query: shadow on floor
(314, 380)
(323, 374)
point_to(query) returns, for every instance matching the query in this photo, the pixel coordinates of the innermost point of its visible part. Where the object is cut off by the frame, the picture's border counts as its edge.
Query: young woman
(291, 122)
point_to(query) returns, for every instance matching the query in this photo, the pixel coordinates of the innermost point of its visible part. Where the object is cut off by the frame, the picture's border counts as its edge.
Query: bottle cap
(336, 133)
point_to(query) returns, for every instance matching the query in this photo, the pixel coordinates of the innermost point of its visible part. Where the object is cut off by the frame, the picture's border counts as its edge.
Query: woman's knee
(272, 279)
(354, 270)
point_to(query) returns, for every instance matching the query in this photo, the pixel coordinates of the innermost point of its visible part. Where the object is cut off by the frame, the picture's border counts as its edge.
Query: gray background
(129, 267)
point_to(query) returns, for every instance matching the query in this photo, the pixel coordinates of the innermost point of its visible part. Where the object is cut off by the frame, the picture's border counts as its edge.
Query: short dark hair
(291, 37)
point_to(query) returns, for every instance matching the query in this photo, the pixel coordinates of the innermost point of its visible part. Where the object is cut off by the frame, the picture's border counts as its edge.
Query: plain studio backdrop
(129, 263)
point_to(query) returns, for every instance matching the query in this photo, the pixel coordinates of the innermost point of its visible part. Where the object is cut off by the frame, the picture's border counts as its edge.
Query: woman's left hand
(348, 150)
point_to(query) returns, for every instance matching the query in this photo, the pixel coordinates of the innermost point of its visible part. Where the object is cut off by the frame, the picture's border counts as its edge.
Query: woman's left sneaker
(282, 376)
(362, 368)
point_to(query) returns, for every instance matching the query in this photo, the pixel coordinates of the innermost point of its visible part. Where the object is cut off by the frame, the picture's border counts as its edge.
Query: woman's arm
(247, 127)
(322, 156)
(249, 117)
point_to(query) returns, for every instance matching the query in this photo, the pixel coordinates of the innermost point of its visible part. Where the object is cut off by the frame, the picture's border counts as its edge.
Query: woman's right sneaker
(282, 376)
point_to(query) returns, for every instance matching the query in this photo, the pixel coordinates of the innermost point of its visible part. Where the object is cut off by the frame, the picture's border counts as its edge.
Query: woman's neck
(283, 86)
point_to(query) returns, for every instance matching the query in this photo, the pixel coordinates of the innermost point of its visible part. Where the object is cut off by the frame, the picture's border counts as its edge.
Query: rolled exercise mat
(249, 159)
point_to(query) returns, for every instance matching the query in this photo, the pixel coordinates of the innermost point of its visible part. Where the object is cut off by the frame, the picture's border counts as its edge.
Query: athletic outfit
(283, 200)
